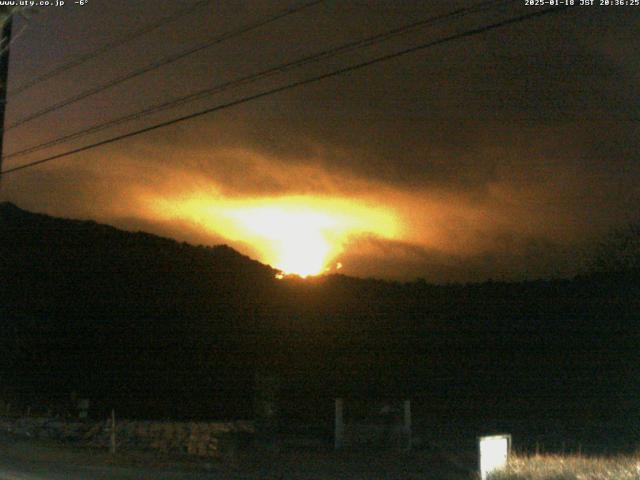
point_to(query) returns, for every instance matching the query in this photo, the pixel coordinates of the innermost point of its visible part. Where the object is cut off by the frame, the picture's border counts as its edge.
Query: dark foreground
(26, 459)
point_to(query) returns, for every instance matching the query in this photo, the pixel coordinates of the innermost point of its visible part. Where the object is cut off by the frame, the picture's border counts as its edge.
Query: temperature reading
(82, 2)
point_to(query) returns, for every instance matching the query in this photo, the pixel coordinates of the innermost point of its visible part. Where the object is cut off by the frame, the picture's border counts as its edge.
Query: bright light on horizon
(300, 234)
(296, 234)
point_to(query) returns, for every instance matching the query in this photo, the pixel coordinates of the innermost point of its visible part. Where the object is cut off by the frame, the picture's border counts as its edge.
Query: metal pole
(7, 20)
(339, 424)
(112, 448)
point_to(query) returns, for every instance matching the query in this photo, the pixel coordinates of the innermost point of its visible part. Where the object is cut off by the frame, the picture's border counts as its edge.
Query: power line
(334, 73)
(107, 47)
(161, 63)
(350, 46)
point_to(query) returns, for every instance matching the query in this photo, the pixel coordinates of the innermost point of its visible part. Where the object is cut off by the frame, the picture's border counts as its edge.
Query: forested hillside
(166, 329)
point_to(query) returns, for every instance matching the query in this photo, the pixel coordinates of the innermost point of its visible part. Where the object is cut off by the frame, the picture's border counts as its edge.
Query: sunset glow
(297, 235)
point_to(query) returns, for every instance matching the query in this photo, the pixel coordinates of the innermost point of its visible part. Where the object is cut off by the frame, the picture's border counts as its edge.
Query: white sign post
(494, 453)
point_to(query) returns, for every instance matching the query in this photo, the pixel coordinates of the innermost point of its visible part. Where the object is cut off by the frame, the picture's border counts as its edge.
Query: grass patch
(570, 467)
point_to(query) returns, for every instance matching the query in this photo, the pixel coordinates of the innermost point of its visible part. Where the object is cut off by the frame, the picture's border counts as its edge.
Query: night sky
(504, 155)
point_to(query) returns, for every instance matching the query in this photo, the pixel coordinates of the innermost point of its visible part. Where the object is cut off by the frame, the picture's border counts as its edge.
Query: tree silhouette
(619, 251)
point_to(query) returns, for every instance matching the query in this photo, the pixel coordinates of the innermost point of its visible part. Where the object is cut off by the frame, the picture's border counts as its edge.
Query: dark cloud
(510, 259)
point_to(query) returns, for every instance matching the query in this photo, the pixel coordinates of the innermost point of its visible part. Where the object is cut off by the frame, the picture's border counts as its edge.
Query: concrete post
(494, 453)
(339, 424)
(407, 423)
(83, 408)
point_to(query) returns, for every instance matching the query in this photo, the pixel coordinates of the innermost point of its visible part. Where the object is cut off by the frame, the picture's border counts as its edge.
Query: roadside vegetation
(570, 467)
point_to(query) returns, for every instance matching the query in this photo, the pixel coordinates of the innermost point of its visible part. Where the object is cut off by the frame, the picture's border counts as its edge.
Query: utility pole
(6, 17)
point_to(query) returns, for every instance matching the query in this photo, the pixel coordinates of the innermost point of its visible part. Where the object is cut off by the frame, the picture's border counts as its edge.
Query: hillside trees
(619, 250)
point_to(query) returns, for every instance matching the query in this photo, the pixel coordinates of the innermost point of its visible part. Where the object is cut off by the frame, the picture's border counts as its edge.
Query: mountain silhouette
(159, 328)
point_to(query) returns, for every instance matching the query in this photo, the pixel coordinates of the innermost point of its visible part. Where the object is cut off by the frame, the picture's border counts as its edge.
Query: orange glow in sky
(295, 234)
(299, 237)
